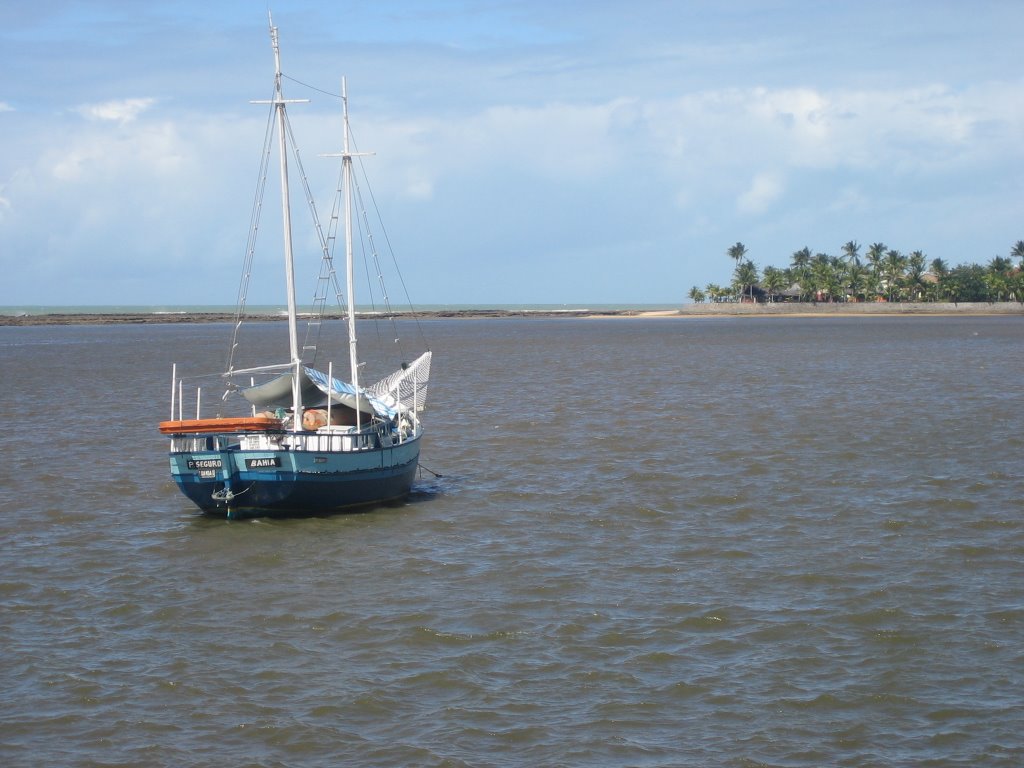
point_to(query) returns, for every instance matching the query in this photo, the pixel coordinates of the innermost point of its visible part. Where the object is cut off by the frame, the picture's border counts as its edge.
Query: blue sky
(526, 151)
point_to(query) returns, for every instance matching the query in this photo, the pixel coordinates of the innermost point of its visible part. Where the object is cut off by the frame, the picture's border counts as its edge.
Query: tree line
(882, 274)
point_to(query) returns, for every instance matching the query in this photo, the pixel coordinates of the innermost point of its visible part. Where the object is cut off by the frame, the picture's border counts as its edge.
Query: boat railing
(328, 438)
(332, 439)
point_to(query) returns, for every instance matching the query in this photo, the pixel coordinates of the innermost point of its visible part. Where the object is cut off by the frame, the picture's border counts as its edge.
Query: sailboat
(302, 441)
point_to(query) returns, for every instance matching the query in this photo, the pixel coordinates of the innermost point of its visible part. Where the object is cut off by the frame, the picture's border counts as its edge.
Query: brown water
(655, 543)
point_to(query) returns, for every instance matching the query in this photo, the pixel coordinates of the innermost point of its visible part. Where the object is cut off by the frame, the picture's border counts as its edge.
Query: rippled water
(655, 543)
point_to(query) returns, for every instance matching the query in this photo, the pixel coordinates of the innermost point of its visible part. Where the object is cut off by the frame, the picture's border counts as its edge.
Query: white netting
(406, 388)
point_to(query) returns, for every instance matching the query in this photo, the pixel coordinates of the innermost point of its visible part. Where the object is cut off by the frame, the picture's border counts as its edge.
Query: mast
(286, 218)
(350, 296)
(350, 293)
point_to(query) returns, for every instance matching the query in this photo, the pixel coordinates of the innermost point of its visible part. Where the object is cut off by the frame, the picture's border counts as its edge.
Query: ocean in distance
(654, 542)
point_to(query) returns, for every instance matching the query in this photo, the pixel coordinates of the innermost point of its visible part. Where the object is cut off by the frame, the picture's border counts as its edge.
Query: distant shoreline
(157, 318)
(685, 311)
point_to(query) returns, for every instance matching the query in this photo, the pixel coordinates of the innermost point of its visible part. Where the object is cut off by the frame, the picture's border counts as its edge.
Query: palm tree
(697, 295)
(801, 258)
(939, 270)
(915, 274)
(887, 272)
(745, 278)
(872, 285)
(716, 292)
(773, 281)
(999, 279)
(1016, 280)
(1018, 252)
(840, 278)
(966, 283)
(799, 271)
(857, 281)
(737, 252)
(821, 275)
(893, 267)
(998, 285)
(851, 251)
(875, 254)
(1000, 264)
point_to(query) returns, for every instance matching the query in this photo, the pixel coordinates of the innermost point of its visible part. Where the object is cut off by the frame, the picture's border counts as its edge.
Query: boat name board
(272, 461)
(204, 464)
(257, 463)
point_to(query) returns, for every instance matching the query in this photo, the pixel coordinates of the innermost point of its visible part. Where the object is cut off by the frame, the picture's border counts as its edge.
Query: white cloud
(550, 143)
(419, 188)
(118, 110)
(137, 197)
(851, 199)
(842, 127)
(764, 189)
(102, 156)
(5, 107)
(712, 148)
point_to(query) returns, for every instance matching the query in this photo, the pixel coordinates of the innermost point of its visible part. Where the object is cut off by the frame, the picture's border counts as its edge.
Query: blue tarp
(343, 392)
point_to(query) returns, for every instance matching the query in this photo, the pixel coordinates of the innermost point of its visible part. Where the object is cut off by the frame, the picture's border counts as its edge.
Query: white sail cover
(405, 389)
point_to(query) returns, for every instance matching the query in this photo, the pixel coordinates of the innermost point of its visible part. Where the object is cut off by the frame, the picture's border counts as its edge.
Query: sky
(526, 151)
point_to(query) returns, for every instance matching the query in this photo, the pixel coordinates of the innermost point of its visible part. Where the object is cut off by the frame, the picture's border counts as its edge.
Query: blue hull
(284, 483)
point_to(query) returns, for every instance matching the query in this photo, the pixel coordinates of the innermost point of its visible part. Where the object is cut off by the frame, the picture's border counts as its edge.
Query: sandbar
(784, 310)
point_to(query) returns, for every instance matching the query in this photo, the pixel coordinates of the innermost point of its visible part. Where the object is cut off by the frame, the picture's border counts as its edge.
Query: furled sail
(277, 392)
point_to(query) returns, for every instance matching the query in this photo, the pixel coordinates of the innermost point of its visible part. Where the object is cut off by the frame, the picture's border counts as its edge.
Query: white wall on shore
(857, 308)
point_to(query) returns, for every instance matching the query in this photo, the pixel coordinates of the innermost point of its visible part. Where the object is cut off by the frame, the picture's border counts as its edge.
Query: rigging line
(385, 297)
(394, 262)
(387, 240)
(198, 376)
(250, 246)
(328, 278)
(365, 236)
(328, 272)
(316, 319)
(311, 87)
(305, 186)
(332, 233)
(367, 243)
(335, 219)
(391, 250)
